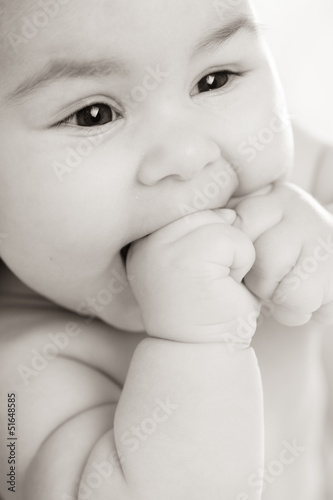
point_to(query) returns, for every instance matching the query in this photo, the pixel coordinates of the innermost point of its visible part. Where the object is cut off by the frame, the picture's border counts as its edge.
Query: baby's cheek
(262, 142)
(264, 156)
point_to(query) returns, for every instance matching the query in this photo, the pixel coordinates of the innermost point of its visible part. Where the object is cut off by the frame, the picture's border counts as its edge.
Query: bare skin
(145, 182)
(290, 388)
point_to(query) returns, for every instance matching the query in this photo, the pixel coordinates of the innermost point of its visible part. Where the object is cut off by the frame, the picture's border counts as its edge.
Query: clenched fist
(188, 279)
(293, 239)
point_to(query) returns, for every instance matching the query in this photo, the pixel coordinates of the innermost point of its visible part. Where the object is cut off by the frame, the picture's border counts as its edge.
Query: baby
(145, 152)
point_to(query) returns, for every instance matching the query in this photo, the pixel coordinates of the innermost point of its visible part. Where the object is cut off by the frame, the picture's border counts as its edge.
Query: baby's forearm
(189, 423)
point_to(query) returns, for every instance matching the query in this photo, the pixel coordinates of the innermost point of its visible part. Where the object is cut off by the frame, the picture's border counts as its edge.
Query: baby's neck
(14, 293)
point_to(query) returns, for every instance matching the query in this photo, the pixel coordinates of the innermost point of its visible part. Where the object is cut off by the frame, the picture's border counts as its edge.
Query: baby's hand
(293, 239)
(187, 279)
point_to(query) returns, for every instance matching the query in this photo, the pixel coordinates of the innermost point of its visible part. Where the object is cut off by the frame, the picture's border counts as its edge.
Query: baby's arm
(188, 284)
(189, 421)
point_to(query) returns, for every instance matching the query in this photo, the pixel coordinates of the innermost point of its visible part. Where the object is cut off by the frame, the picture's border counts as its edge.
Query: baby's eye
(92, 116)
(214, 81)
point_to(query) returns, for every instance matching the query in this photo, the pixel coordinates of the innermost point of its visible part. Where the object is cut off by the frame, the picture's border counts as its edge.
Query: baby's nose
(181, 153)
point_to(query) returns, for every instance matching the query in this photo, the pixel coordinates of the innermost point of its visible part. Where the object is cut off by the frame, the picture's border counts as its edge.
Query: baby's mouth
(125, 249)
(211, 203)
(124, 252)
(234, 200)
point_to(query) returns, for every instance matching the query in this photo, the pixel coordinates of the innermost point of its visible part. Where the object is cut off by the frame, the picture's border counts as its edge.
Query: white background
(300, 34)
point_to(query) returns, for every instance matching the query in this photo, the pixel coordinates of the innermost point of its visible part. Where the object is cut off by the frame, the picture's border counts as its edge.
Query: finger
(288, 317)
(302, 290)
(257, 214)
(220, 245)
(211, 236)
(184, 226)
(276, 255)
(234, 201)
(324, 315)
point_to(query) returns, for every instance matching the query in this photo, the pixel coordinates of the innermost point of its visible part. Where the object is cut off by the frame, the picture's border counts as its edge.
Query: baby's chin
(115, 303)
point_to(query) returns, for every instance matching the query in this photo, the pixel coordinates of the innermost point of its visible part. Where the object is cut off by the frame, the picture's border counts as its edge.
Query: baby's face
(119, 117)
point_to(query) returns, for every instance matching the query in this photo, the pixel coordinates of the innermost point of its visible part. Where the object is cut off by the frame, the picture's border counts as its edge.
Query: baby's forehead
(10, 9)
(13, 11)
(44, 29)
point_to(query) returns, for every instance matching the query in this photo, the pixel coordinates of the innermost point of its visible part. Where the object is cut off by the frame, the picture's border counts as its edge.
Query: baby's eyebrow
(221, 35)
(65, 68)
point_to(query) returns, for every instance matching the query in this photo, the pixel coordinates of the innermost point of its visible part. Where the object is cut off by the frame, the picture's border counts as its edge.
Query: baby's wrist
(236, 335)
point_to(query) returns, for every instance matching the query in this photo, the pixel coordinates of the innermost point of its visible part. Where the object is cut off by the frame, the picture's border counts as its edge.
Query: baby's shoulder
(67, 375)
(34, 333)
(34, 337)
